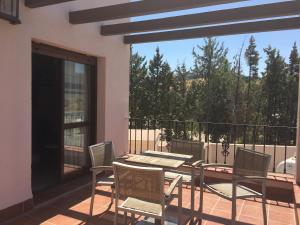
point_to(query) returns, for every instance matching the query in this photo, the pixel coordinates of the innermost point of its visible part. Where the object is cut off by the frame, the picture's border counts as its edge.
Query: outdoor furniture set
(138, 181)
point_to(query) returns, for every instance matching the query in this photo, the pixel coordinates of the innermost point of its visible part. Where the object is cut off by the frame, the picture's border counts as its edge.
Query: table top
(155, 161)
(168, 155)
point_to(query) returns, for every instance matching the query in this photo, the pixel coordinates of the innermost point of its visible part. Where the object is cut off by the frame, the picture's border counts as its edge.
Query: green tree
(238, 106)
(252, 59)
(293, 79)
(212, 66)
(138, 96)
(194, 100)
(161, 86)
(274, 87)
(181, 78)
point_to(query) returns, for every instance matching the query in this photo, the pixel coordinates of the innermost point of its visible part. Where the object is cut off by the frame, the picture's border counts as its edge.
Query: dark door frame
(63, 54)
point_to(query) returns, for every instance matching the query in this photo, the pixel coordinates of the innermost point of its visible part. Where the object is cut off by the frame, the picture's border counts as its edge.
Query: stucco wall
(50, 25)
(279, 155)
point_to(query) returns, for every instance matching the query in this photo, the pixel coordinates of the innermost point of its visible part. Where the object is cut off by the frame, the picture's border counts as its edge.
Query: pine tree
(293, 80)
(181, 76)
(274, 87)
(161, 85)
(208, 58)
(252, 59)
(294, 61)
(138, 98)
(212, 66)
(238, 106)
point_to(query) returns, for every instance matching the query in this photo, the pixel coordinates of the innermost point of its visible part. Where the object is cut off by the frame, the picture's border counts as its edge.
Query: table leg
(180, 201)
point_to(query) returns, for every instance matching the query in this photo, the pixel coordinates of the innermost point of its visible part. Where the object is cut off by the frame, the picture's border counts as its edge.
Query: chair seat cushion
(144, 206)
(225, 189)
(107, 181)
(172, 175)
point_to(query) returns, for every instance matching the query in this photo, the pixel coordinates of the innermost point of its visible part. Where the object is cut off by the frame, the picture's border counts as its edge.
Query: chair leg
(179, 202)
(92, 200)
(264, 210)
(112, 196)
(192, 201)
(201, 193)
(233, 211)
(116, 209)
(192, 193)
(116, 217)
(264, 202)
(201, 203)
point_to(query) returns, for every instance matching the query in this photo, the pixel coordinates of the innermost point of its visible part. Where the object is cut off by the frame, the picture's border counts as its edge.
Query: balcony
(72, 207)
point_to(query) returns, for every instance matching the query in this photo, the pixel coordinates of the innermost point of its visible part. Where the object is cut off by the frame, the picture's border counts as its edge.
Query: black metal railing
(221, 139)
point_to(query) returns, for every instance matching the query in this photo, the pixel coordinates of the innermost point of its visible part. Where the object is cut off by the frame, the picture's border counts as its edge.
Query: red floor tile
(74, 209)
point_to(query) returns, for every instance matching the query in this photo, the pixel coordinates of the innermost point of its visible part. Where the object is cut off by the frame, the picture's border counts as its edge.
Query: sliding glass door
(63, 112)
(77, 116)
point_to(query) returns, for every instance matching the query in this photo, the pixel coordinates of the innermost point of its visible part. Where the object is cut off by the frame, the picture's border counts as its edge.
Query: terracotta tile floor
(74, 209)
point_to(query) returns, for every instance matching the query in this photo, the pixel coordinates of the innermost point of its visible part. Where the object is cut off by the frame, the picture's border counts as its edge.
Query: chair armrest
(173, 185)
(121, 157)
(215, 165)
(250, 178)
(198, 163)
(98, 169)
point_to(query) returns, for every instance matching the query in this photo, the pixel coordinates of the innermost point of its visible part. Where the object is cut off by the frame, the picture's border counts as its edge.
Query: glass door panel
(76, 116)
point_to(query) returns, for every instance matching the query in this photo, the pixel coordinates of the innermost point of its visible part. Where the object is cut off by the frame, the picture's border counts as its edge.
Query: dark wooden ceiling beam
(40, 3)
(200, 19)
(213, 31)
(139, 8)
(298, 2)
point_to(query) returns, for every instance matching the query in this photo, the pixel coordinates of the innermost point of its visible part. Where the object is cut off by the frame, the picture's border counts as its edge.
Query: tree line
(217, 90)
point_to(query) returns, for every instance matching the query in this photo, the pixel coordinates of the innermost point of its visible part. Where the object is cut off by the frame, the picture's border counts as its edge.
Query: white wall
(269, 149)
(50, 25)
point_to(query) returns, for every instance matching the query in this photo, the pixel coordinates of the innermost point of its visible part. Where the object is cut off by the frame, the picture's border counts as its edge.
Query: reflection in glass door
(77, 95)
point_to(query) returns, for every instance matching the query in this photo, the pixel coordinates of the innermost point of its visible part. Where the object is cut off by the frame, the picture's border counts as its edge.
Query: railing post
(298, 137)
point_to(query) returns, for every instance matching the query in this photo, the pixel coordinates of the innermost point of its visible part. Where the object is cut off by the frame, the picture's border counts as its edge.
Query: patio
(73, 209)
(109, 112)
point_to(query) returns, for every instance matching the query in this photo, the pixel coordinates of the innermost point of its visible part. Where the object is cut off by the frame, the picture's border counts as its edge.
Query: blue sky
(181, 51)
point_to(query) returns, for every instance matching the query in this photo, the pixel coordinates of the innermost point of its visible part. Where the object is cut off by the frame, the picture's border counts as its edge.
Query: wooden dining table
(168, 155)
(155, 161)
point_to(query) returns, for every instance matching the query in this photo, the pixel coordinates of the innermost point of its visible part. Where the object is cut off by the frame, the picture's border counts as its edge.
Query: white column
(298, 139)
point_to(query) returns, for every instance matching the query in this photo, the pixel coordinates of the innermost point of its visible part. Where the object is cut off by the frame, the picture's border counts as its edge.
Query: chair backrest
(101, 154)
(194, 148)
(143, 183)
(251, 163)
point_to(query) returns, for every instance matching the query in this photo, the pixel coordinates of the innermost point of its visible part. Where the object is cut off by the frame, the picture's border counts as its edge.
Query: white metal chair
(249, 166)
(102, 156)
(142, 189)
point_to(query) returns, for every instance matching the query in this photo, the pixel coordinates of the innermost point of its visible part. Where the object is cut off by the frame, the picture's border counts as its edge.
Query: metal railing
(221, 139)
